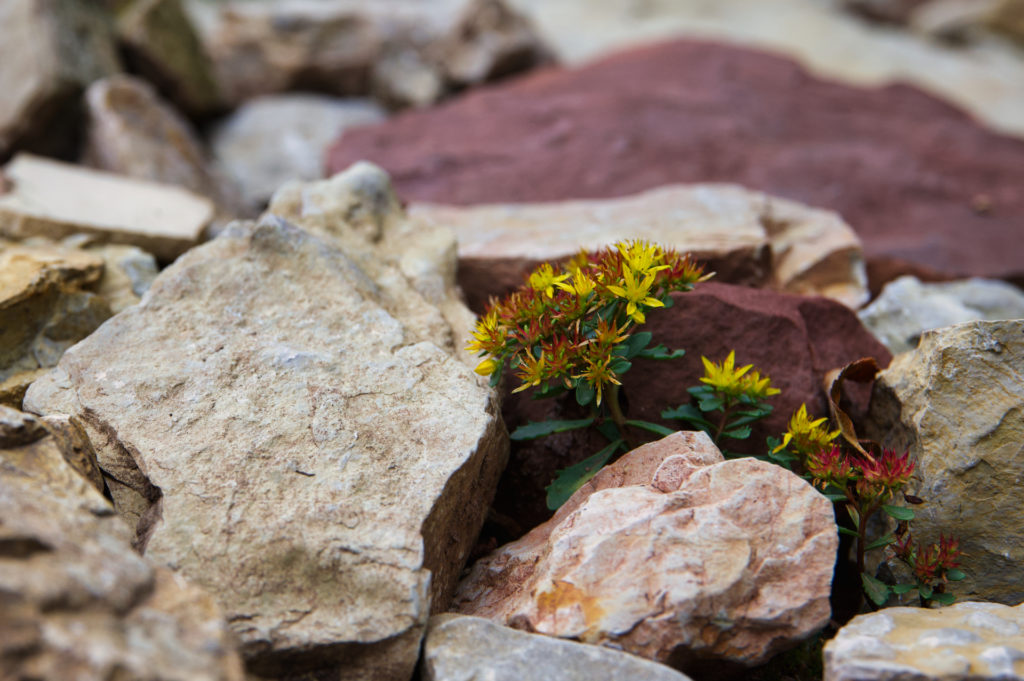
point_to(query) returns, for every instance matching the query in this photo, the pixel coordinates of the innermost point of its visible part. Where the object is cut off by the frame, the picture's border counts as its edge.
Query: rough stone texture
(18, 428)
(273, 139)
(50, 52)
(743, 236)
(163, 45)
(289, 433)
(128, 272)
(45, 307)
(1008, 17)
(406, 52)
(459, 647)
(55, 200)
(678, 556)
(77, 602)
(133, 132)
(906, 308)
(956, 403)
(793, 339)
(984, 76)
(922, 185)
(959, 642)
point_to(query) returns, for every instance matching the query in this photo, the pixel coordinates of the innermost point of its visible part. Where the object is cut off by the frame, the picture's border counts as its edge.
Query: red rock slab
(923, 184)
(793, 339)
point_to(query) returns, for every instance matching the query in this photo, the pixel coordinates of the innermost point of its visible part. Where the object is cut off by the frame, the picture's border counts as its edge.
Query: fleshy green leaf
(584, 393)
(900, 589)
(834, 497)
(899, 512)
(876, 590)
(847, 531)
(878, 543)
(741, 433)
(925, 591)
(634, 344)
(534, 430)
(652, 427)
(620, 366)
(660, 352)
(955, 575)
(944, 598)
(496, 377)
(711, 404)
(570, 479)
(688, 413)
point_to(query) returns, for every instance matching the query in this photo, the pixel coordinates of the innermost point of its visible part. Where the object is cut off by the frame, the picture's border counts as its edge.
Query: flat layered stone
(55, 200)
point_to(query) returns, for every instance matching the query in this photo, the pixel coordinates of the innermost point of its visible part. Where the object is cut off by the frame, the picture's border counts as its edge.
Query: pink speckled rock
(726, 560)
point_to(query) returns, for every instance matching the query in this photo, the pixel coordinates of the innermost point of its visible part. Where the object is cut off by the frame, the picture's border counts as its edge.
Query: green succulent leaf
(630, 347)
(925, 591)
(536, 429)
(900, 589)
(651, 427)
(741, 433)
(879, 543)
(876, 590)
(660, 352)
(688, 413)
(955, 575)
(711, 404)
(847, 531)
(944, 598)
(899, 512)
(570, 479)
(584, 393)
(620, 366)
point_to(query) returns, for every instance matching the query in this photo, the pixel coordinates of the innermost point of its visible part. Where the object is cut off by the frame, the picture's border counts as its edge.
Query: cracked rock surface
(238, 415)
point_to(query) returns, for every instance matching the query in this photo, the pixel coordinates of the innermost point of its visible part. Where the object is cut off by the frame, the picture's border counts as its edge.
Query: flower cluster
(730, 382)
(933, 562)
(873, 478)
(565, 325)
(806, 436)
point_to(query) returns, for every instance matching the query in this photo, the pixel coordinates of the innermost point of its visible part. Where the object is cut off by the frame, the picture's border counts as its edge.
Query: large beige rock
(290, 427)
(674, 554)
(956, 403)
(162, 44)
(45, 307)
(975, 641)
(907, 307)
(1008, 17)
(744, 236)
(49, 53)
(274, 139)
(985, 78)
(76, 601)
(55, 200)
(459, 647)
(132, 131)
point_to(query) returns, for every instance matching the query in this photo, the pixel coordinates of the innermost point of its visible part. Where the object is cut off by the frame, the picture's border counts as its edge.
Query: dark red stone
(795, 340)
(922, 183)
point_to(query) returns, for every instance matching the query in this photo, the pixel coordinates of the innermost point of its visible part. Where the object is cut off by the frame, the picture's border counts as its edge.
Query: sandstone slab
(280, 428)
(50, 53)
(273, 139)
(55, 200)
(907, 307)
(673, 554)
(460, 647)
(795, 340)
(923, 185)
(956, 402)
(77, 602)
(963, 641)
(742, 236)
(132, 131)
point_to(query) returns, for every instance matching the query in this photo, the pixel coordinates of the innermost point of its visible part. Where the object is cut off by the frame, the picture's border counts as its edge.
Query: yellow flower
(544, 279)
(724, 377)
(531, 371)
(486, 336)
(635, 293)
(487, 367)
(582, 284)
(807, 436)
(598, 372)
(757, 387)
(642, 257)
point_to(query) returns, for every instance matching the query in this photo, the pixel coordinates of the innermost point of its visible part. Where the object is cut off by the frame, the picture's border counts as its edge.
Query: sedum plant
(576, 329)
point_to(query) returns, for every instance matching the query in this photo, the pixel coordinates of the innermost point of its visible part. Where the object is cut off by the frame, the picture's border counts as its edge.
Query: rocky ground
(243, 246)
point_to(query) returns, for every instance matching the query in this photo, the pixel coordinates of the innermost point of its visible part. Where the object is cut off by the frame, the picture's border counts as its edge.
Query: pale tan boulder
(966, 641)
(49, 53)
(77, 602)
(52, 199)
(673, 554)
(290, 426)
(744, 236)
(955, 402)
(1007, 17)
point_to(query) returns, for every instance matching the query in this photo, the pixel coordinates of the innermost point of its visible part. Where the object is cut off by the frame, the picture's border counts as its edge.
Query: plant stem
(722, 423)
(617, 415)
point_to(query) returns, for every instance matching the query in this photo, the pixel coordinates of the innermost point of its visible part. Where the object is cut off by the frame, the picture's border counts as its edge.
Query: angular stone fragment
(49, 54)
(163, 45)
(906, 308)
(976, 641)
(745, 237)
(956, 402)
(459, 647)
(280, 428)
(133, 132)
(673, 554)
(52, 199)
(77, 602)
(941, 195)
(275, 139)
